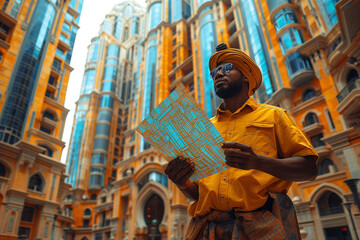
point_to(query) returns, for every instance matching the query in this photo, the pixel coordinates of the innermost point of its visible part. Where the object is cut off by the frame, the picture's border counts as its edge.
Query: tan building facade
(308, 52)
(36, 40)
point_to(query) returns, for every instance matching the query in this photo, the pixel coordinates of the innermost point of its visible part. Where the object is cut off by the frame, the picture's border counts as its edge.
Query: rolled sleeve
(291, 140)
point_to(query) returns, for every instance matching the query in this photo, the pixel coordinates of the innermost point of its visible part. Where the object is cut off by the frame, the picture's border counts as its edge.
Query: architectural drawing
(178, 127)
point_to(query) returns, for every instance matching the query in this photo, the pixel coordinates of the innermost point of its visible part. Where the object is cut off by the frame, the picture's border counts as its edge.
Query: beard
(229, 91)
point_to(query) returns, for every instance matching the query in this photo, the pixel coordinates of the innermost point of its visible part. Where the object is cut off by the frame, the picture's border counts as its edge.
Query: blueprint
(178, 127)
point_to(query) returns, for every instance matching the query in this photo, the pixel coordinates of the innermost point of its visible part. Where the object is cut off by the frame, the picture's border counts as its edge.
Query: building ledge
(349, 98)
(340, 139)
(329, 177)
(313, 129)
(301, 107)
(302, 77)
(323, 151)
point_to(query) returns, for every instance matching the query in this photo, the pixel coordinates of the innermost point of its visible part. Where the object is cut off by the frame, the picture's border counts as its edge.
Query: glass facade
(258, 49)
(76, 140)
(328, 11)
(118, 28)
(208, 44)
(88, 83)
(107, 27)
(291, 38)
(103, 122)
(154, 15)
(135, 25)
(25, 73)
(175, 12)
(284, 17)
(93, 51)
(296, 63)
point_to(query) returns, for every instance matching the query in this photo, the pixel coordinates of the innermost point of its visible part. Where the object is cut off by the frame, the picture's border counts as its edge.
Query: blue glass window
(110, 72)
(104, 115)
(108, 86)
(102, 129)
(135, 26)
(113, 50)
(15, 8)
(72, 4)
(175, 10)
(98, 158)
(25, 75)
(208, 44)
(89, 80)
(118, 28)
(309, 94)
(284, 17)
(107, 101)
(128, 11)
(92, 53)
(258, 48)
(201, 2)
(154, 15)
(107, 27)
(75, 144)
(328, 11)
(296, 63)
(101, 144)
(291, 38)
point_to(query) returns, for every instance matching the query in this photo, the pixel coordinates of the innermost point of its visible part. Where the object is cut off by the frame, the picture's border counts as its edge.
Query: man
(265, 152)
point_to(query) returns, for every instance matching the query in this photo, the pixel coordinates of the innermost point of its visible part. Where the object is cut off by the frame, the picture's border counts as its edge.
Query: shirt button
(224, 179)
(229, 133)
(222, 196)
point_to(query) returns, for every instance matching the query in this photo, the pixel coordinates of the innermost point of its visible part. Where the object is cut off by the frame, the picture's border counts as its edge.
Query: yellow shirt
(270, 131)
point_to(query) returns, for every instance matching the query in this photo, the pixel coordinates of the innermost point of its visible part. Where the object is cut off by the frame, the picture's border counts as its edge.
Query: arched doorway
(333, 217)
(153, 215)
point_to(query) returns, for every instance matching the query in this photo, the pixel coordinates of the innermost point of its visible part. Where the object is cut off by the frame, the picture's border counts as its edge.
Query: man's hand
(297, 168)
(240, 155)
(179, 170)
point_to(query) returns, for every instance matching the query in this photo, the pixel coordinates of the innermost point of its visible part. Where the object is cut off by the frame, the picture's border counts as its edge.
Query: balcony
(321, 148)
(302, 77)
(313, 129)
(349, 98)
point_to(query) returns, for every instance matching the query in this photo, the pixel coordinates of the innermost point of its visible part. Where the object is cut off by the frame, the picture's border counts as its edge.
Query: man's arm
(297, 168)
(179, 170)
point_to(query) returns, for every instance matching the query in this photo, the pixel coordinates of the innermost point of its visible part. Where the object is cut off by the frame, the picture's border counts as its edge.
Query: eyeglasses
(224, 68)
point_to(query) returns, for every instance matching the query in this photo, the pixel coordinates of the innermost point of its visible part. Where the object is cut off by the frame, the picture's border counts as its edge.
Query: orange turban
(242, 61)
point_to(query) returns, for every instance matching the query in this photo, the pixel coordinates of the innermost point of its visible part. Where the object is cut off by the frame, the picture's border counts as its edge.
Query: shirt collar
(250, 103)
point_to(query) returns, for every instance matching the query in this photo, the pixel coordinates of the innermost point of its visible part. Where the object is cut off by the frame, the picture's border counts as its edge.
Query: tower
(35, 52)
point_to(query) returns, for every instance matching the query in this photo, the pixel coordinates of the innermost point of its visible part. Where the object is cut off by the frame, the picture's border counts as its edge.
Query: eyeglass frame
(224, 68)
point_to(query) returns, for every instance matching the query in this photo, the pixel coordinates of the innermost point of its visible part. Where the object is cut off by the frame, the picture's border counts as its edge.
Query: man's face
(228, 80)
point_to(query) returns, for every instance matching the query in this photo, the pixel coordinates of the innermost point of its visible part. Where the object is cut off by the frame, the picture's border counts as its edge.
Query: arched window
(154, 211)
(93, 196)
(326, 166)
(36, 183)
(2, 170)
(309, 94)
(48, 151)
(87, 212)
(310, 119)
(84, 238)
(352, 76)
(329, 203)
(49, 115)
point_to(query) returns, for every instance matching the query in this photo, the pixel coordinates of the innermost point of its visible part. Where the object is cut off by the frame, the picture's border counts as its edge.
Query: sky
(92, 15)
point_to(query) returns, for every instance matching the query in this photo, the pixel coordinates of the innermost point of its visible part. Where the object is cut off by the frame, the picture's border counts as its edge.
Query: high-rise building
(308, 52)
(36, 41)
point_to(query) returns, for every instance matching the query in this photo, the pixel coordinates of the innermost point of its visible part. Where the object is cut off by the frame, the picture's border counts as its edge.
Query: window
(309, 94)
(2, 170)
(310, 119)
(154, 15)
(326, 166)
(27, 214)
(291, 38)
(87, 212)
(103, 199)
(93, 196)
(352, 76)
(47, 151)
(49, 115)
(36, 183)
(296, 63)
(45, 130)
(86, 222)
(327, 8)
(316, 141)
(330, 203)
(284, 17)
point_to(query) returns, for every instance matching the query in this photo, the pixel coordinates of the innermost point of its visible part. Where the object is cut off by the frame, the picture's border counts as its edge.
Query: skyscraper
(308, 52)
(36, 40)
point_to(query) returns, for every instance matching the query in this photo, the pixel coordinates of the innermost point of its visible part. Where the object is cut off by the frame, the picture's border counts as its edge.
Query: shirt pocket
(260, 136)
